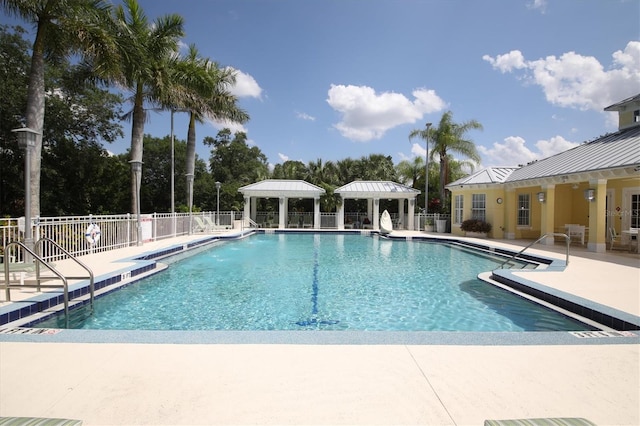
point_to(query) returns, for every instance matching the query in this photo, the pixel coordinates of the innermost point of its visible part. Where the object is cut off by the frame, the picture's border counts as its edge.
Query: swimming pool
(303, 281)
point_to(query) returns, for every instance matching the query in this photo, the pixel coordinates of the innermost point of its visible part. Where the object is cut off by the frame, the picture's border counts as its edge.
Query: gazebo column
(376, 213)
(597, 216)
(401, 213)
(249, 211)
(370, 208)
(412, 213)
(282, 212)
(340, 219)
(316, 213)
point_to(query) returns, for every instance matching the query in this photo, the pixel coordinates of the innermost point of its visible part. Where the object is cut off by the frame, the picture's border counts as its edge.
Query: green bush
(475, 225)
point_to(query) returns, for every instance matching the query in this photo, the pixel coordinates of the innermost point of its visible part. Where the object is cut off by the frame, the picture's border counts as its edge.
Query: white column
(376, 214)
(340, 213)
(401, 213)
(248, 208)
(316, 213)
(412, 207)
(282, 212)
(370, 209)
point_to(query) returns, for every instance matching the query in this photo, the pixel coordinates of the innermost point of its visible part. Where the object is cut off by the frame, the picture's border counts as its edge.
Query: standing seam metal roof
(367, 187)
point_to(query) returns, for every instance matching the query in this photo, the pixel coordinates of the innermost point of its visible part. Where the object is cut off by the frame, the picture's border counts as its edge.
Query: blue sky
(336, 79)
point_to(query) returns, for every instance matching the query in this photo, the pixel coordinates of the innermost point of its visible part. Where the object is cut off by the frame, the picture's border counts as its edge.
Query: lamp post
(218, 204)
(27, 141)
(426, 177)
(136, 168)
(173, 202)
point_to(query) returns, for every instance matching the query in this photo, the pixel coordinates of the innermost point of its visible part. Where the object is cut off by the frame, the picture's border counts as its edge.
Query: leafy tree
(377, 167)
(62, 28)
(449, 137)
(294, 170)
(234, 164)
(146, 53)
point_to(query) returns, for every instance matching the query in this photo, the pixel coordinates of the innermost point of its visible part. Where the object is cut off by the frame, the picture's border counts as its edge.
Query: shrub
(475, 225)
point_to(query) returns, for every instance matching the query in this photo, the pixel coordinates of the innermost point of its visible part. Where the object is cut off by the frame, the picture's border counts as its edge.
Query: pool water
(302, 281)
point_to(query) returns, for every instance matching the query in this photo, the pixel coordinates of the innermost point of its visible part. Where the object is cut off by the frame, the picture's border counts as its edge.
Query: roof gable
(284, 187)
(485, 176)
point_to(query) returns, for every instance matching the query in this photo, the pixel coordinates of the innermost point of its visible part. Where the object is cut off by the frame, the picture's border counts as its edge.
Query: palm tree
(449, 137)
(147, 52)
(201, 88)
(409, 171)
(63, 28)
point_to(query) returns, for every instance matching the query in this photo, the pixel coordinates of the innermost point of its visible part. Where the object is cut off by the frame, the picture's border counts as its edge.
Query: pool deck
(201, 381)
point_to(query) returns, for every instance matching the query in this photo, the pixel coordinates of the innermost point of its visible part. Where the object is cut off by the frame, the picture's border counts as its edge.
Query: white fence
(118, 231)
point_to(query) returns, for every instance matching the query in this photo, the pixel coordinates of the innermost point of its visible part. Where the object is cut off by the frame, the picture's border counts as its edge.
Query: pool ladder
(38, 261)
(549, 234)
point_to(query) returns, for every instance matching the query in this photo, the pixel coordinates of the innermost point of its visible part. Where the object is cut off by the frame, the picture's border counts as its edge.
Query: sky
(331, 79)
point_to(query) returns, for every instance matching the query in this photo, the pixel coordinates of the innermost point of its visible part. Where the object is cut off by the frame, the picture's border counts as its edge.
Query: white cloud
(231, 125)
(246, 86)
(576, 81)
(305, 116)
(540, 5)
(367, 115)
(513, 151)
(283, 157)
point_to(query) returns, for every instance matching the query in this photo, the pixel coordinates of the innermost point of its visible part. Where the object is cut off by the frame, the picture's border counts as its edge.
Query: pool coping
(147, 263)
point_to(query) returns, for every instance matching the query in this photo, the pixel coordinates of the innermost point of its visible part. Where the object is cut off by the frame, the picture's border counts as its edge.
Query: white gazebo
(373, 192)
(283, 190)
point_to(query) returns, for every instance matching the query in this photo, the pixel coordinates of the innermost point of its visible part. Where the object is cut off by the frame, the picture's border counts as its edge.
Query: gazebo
(373, 192)
(283, 190)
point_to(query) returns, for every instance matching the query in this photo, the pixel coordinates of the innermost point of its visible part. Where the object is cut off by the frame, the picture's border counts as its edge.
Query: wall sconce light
(541, 196)
(590, 194)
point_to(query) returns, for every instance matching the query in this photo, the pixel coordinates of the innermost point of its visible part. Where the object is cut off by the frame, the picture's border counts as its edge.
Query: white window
(458, 207)
(524, 210)
(635, 211)
(479, 206)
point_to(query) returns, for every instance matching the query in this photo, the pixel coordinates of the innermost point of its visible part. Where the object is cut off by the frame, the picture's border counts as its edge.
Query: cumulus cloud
(540, 5)
(246, 86)
(224, 124)
(305, 116)
(576, 81)
(367, 115)
(513, 150)
(283, 157)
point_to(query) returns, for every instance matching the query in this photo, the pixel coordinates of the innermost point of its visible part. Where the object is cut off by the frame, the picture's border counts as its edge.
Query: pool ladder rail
(33, 262)
(549, 234)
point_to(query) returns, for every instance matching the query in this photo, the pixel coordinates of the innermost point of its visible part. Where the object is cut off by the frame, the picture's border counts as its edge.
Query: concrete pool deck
(432, 383)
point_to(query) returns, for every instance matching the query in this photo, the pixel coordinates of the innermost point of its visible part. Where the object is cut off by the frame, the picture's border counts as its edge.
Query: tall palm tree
(449, 137)
(147, 51)
(62, 28)
(409, 171)
(201, 88)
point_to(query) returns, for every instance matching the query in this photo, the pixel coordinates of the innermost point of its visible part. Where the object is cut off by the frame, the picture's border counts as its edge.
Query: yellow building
(595, 186)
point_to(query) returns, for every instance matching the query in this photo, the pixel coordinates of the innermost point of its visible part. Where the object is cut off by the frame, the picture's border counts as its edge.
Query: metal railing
(549, 234)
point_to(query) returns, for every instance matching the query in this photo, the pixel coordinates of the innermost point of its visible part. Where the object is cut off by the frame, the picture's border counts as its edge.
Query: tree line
(72, 172)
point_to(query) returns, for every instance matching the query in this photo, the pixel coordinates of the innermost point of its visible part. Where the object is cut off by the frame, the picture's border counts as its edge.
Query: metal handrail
(37, 260)
(554, 234)
(38, 246)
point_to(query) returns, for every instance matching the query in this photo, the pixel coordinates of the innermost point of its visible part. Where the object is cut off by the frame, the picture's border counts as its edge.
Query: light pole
(27, 141)
(173, 203)
(218, 204)
(426, 177)
(136, 168)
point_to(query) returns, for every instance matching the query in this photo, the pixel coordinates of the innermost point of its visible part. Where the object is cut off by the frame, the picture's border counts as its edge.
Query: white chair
(614, 238)
(576, 231)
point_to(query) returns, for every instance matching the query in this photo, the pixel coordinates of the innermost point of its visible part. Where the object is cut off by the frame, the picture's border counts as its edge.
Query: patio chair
(307, 222)
(200, 226)
(576, 232)
(212, 226)
(614, 239)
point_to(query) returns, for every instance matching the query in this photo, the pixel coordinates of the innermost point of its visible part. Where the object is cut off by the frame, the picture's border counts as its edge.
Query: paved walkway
(431, 384)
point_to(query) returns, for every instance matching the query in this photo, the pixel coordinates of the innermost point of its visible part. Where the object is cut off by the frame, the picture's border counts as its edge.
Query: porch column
(316, 213)
(370, 208)
(547, 220)
(248, 209)
(510, 219)
(376, 213)
(254, 208)
(401, 213)
(340, 219)
(598, 217)
(282, 212)
(412, 208)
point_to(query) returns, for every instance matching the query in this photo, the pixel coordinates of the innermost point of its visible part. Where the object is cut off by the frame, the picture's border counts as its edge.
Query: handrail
(38, 246)
(37, 258)
(554, 234)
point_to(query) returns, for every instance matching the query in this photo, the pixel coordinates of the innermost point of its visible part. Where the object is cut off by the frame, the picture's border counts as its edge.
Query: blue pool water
(326, 282)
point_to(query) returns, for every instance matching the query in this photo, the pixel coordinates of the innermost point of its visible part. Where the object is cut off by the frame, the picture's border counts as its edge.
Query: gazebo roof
(376, 189)
(274, 188)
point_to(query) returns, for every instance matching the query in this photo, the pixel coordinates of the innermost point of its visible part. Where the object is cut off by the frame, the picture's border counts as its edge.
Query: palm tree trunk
(137, 146)
(35, 114)
(191, 152)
